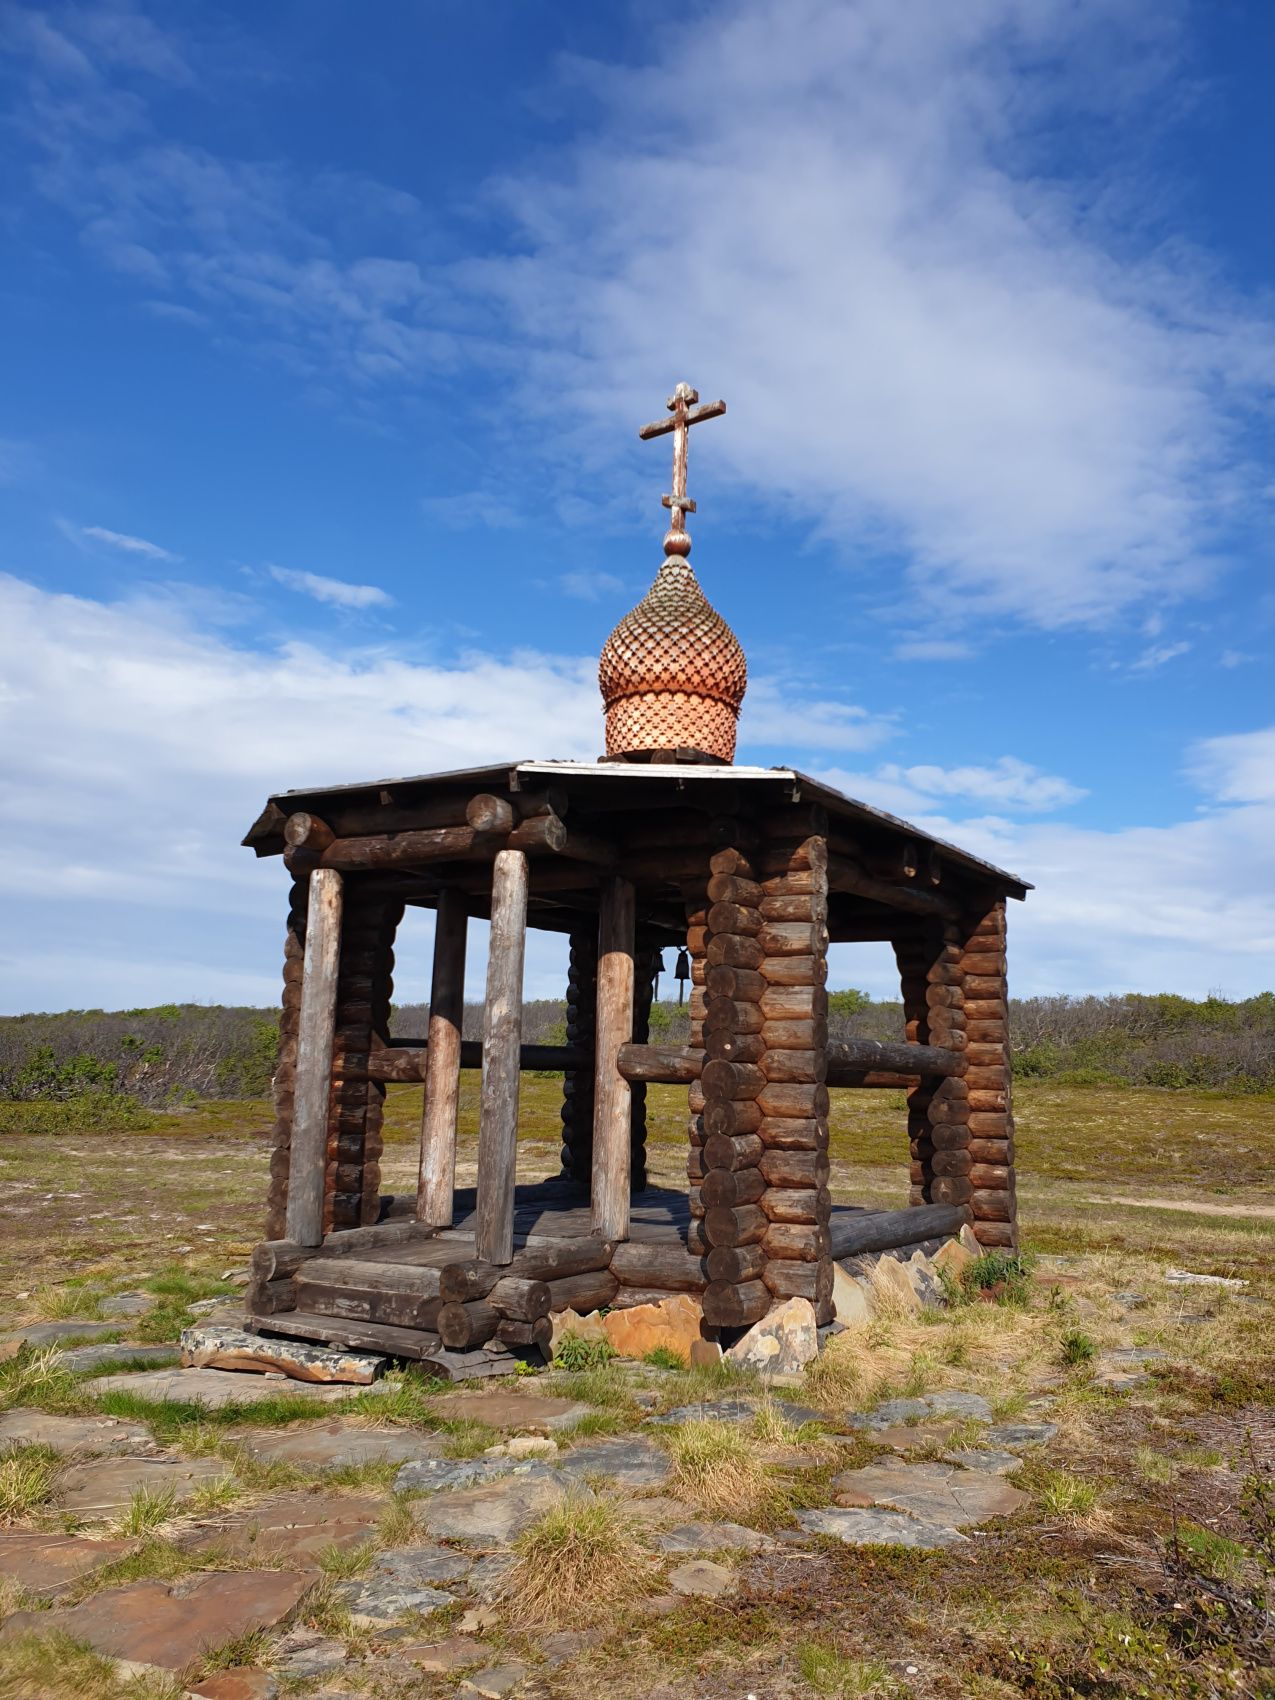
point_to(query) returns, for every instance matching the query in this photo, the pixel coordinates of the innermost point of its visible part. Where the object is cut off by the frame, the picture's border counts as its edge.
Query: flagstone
(933, 1493)
(457, 1652)
(106, 1485)
(82, 1358)
(169, 1624)
(627, 1463)
(47, 1564)
(296, 1526)
(215, 1387)
(244, 1682)
(702, 1579)
(494, 1512)
(492, 1684)
(863, 1527)
(512, 1411)
(334, 1445)
(712, 1537)
(28, 1427)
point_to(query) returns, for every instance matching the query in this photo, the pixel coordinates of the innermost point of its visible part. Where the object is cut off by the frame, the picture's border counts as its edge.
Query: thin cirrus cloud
(932, 338)
(126, 543)
(335, 592)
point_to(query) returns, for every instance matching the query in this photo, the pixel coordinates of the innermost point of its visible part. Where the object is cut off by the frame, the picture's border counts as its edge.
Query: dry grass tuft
(27, 1475)
(578, 1560)
(717, 1467)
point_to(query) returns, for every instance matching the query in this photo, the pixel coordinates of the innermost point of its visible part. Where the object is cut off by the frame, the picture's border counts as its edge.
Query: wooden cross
(681, 404)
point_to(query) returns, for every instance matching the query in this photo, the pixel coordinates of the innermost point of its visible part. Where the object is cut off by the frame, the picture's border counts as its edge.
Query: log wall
(577, 1085)
(364, 987)
(988, 1079)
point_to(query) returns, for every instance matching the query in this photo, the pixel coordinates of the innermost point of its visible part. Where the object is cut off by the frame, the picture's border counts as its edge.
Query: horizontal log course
(270, 1298)
(989, 1206)
(991, 1177)
(402, 1296)
(734, 1225)
(304, 831)
(951, 1189)
(671, 1065)
(629, 1298)
(489, 813)
(350, 1332)
(730, 1118)
(584, 1292)
(538, 1333)
(733, 950)
(275, 1258)
(725, 1015)
(883, 1230)
(461, 1326)
(551, 1261)
(733, 889)
(808, 907)
(731, 1187)
(810, 1065)
(786, 1278)
(856, 1054)
(793, 1133)
(739, 985)
(996, 1151)
(520, 1298)
(654, 1263)
(725, 1151)
(793, 938)
(807, 1034)
(801, 1101)
(731, 1080)
(721, 1045)
(407, 1062)
(796, 1204)
(731, 1305)
(795, 970)
(802, 1242)
(736, 1263)
(795, 1168)
(735, 918)
(806, 1002)
(731, 861)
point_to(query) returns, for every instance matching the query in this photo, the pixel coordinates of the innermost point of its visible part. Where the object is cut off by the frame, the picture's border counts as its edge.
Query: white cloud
(1158, 655)
(334, 591)
(1009, 783)
(129, 545)
(1236, 768)
(775, 714)
(590, 586)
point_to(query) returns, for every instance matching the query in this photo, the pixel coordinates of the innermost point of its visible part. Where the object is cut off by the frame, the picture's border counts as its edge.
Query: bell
(682, 974)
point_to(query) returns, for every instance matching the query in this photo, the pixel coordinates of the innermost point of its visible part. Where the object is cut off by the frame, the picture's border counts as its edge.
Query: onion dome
(672, 672)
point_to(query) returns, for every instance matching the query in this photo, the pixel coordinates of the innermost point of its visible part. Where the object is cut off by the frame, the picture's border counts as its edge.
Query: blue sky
(326, 335)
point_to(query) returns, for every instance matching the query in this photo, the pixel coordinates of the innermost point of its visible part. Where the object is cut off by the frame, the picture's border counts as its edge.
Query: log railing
(851, 1062)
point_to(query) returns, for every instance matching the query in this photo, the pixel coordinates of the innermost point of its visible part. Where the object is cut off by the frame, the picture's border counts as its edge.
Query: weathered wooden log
(883, 1230)
(731, 1187)
(806, 1002)
(436, 1181)
(803, 908)
(798, 1101)
(800, 1035)
(732, 889)
(795, 1168)
(351, 1332)
(732, 1305)
(996, 1151)
(656, 1263)
(731, 1118)
(989, 1206)
(538, 1333)
(670, 1064)
(806, 1242)
(463, 1325)
(403, 1297)
(315, 1030)
(793, 1133)
(402, 849)
(849, 1054)
(736, 1263)
(737, 985)
(724, 1014)
(271, 1298)
(796, 1204)
(789, 1278)
(732, 1081)
(734, 950)
(304, 831)
(550, 1260)
(734, 918)
(612, 1099)
(779, 1065)
(844, 875)
(721, 1045)
(274, 1260)
(518, 1297)
(584, 1292)
(792, 938)
(732, 1151)
(410, 1062)
(795, 970)
(498, 1094)
(950, 1189)
(732, 1226)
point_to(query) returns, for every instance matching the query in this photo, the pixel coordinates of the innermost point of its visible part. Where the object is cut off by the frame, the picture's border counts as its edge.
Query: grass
(55, 1667)
(343, 1564)
(716, 1466)
(1059, 1493)
(27, 1478)
(146, 1510)
(578, 1561)
(832, 1673)
(1076, 1347)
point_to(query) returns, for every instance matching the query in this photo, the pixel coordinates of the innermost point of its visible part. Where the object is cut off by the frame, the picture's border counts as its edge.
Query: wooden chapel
(664, 842)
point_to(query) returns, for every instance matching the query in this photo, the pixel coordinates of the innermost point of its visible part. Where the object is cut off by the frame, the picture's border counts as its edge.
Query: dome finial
(672, 672)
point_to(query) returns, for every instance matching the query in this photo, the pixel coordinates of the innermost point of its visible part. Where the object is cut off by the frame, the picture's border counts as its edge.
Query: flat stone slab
(444, 1475)
(709, 1410)
(48, 1564)
(72, 1434)
(212, 1345)
(457, 1652)
(494, 1512)
(513, 1412)
(244, 1682)
(627, 1463)
(990, 1458)
(1020, 1434)
(212, 1387)
(51, 1333)
(375, 1602)
(900, 1438)
(107, 1485)
(712, 1537)
(157, 1623)
(412, 1566)
(1187, 1278)
(860, 1528)
(304, 1652)
(296, 1526)
(494, 1683)
(702, 1579)
(960, 1407)
(334, 1445)
(82, 1358)
(129, 1304)
(932, 1493)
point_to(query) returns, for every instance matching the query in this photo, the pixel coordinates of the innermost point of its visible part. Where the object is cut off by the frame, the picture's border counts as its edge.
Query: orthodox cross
(681, 404)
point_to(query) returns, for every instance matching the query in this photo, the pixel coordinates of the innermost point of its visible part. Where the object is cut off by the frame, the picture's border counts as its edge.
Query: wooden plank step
(361, 1336)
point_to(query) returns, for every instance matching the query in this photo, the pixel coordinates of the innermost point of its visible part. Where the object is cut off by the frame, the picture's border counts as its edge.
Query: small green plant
(1063, 1495)
(576, 1353)
(664, 1357)
(830, 1672)
(1077, 1347)
(344, 1563)
(1000, 1275)
(146, 1510)
(1208, 1553)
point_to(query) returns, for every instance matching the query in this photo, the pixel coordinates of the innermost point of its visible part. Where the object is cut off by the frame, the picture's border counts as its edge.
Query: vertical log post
(285, 1074)
(437, 1181)
(365, 985)
(696, 945)
(988, 1080)
(794, 1034)
(315, 1035)
(612, 1109)
(914, 954)
(646, 955)
(502, 1038)
(577, 1084)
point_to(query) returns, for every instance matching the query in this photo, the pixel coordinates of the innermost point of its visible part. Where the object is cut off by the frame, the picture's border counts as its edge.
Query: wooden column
(285, 1074)
(696, 904)
(948, 1112)
(646, 955)
(355, 1114)
(732, 1185)
(315, 1035)
(502, 1038)
(577, 1084)
(993, 1199)
(437, 1181)
(612, 1109)
(794, 1035)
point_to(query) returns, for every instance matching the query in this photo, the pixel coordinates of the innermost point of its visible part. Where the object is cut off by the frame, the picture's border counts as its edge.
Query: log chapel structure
(664, 842)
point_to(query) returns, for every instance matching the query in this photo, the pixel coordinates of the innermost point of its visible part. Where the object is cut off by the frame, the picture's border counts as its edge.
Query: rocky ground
(1058, 1490)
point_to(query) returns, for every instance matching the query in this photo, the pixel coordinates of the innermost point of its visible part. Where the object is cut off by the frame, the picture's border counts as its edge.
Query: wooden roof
(595, 785)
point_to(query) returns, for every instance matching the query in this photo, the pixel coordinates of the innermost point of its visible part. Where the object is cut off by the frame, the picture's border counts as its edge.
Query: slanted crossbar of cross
(681, 404)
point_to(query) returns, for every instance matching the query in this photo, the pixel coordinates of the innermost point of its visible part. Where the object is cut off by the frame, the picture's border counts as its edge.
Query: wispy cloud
(334, 591)
(933, 649)
(1236, 768)
(590, 586)
(1158, 655)
(777, 714)
(123, 541)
